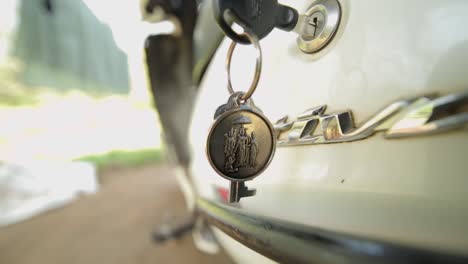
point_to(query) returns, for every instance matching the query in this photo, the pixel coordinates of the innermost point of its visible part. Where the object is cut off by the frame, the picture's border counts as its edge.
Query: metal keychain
(241, 142)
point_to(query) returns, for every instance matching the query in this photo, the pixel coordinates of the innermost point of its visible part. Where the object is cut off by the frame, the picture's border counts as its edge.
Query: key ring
(258, 64)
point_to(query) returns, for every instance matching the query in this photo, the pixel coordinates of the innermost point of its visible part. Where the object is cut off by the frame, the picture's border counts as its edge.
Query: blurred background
(84, 176)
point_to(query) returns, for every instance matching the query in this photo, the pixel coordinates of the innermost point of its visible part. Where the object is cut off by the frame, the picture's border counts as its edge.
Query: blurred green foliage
(126, 158)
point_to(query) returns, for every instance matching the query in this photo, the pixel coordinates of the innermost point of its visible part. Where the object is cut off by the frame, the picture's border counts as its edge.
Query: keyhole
(315, 25)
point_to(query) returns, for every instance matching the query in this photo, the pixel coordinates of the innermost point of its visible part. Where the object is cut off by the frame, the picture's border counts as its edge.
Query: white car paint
(410, 191)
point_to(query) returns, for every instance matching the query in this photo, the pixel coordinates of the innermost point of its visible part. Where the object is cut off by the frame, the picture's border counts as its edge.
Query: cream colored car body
(410, 191)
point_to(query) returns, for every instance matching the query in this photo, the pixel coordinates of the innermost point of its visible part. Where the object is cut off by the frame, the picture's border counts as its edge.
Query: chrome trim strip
(288, 242)
(404, 118)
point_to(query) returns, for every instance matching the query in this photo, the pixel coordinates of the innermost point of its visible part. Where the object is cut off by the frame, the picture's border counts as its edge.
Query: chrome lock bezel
(322, 18)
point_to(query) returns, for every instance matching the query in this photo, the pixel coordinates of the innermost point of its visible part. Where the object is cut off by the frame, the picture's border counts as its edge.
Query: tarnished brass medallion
(241, 142)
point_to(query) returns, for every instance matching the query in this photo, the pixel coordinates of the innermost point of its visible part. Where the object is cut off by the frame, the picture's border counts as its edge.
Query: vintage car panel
(409, 190)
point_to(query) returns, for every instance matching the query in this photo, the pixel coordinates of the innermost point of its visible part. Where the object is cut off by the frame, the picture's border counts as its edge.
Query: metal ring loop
(258, 66)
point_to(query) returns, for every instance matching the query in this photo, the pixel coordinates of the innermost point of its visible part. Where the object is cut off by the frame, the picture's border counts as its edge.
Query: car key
(259, 16)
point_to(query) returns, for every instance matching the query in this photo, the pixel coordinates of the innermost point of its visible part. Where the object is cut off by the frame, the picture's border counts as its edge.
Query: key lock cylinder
(316, 26)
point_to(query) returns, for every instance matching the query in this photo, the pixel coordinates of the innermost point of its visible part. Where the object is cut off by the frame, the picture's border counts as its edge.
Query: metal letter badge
(241, 142)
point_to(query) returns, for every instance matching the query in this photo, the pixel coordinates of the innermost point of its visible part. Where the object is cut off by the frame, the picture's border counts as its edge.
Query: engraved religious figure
(253, 150)
(243, 153)
(230, 148)
(240, 148)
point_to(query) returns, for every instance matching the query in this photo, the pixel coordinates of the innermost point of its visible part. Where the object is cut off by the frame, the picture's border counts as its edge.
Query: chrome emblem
(405, 118)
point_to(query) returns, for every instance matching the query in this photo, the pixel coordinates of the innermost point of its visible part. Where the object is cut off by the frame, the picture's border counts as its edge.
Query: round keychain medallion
(241, 142)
